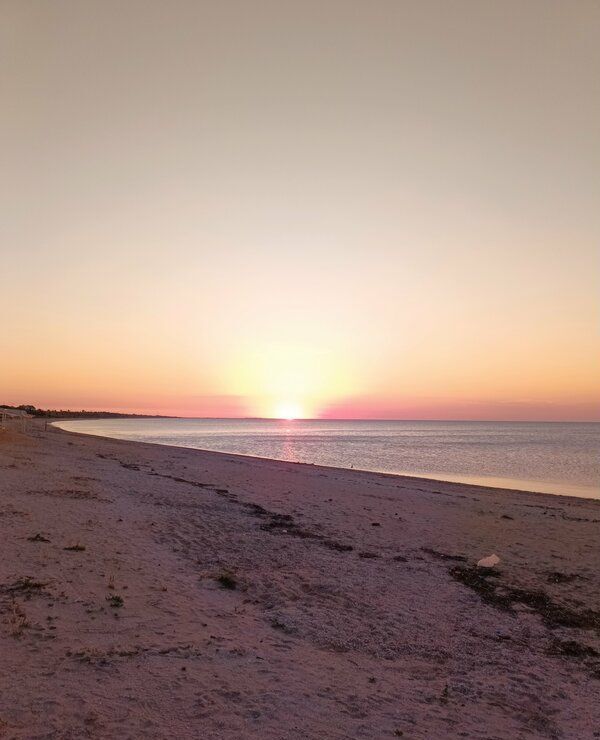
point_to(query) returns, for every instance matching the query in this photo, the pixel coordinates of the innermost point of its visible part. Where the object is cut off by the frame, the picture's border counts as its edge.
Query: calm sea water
(547, 457)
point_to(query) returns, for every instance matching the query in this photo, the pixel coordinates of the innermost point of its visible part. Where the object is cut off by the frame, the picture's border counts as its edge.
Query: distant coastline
(81, 414)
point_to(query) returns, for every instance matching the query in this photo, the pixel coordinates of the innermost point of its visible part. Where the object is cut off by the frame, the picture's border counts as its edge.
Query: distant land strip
(82, 414)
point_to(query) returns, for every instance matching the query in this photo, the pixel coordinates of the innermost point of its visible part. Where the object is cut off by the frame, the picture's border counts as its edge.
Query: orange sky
(384, 209)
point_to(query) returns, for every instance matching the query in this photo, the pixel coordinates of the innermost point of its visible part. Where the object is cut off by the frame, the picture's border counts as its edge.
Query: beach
(154, 591)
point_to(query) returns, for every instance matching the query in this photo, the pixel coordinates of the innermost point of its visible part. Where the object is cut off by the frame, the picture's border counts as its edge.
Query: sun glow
(289, 410)
(282, 381)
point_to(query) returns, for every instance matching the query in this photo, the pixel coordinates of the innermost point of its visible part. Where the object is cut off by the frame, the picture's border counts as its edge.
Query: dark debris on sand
(484, 581)
(285, 524)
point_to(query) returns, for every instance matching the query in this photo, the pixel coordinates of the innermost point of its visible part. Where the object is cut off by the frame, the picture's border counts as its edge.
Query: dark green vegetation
(68, 414)
(115, 601)
(227, 580)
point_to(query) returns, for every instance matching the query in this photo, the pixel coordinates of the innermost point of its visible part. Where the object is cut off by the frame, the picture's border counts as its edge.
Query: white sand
(315, 641)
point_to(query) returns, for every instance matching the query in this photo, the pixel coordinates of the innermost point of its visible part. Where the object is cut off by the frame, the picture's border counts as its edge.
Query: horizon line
(325, 419)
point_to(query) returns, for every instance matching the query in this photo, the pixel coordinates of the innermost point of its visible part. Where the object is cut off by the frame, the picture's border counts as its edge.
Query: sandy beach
(150, 591)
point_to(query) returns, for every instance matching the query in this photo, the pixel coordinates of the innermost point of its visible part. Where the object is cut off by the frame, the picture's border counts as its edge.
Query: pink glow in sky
(380, 210)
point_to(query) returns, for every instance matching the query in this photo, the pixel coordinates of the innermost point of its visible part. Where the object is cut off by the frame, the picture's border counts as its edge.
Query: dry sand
(354, 609)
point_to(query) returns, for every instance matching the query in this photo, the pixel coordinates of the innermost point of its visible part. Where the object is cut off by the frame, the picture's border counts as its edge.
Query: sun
(288, 410)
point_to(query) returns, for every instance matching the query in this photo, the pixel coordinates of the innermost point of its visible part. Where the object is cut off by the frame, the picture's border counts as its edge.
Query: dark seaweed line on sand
(272, 521)
(504, 597)
(501, 596)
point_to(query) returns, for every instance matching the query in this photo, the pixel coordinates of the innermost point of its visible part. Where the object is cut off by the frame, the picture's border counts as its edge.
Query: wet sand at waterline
(153, 591)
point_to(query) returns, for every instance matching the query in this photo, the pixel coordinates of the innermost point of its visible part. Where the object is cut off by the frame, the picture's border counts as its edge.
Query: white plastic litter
(488, 562)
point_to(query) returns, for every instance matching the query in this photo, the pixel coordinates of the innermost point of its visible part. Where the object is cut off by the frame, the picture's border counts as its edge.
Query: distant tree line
(62, 413)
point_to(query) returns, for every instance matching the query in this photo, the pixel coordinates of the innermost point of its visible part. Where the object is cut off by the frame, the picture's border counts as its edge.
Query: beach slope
(150, 591)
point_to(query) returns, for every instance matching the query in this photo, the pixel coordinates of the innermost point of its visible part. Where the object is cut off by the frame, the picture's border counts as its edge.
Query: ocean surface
(560, 458)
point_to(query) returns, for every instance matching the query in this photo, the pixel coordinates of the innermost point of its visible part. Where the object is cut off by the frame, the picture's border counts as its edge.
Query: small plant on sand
(89, 655)
(25, 585)
(283, 626)
(77, 547)
(226, 579)
(115, 601)
(18, 621)
(38, 538)
(111, 582)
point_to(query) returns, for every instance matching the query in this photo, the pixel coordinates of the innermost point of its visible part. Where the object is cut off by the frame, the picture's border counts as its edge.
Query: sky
(321, 208)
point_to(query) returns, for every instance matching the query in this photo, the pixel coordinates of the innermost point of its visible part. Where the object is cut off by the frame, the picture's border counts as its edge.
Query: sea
(557, 458)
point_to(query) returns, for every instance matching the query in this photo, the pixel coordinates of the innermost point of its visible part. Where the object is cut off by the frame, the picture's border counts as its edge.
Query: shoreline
(414, 478)
(154, 590)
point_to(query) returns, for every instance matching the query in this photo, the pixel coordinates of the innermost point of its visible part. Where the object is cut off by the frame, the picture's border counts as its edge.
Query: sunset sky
(329, 208)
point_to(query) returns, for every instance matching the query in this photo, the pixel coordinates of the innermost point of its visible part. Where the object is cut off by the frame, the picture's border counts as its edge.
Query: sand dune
(160, 592)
